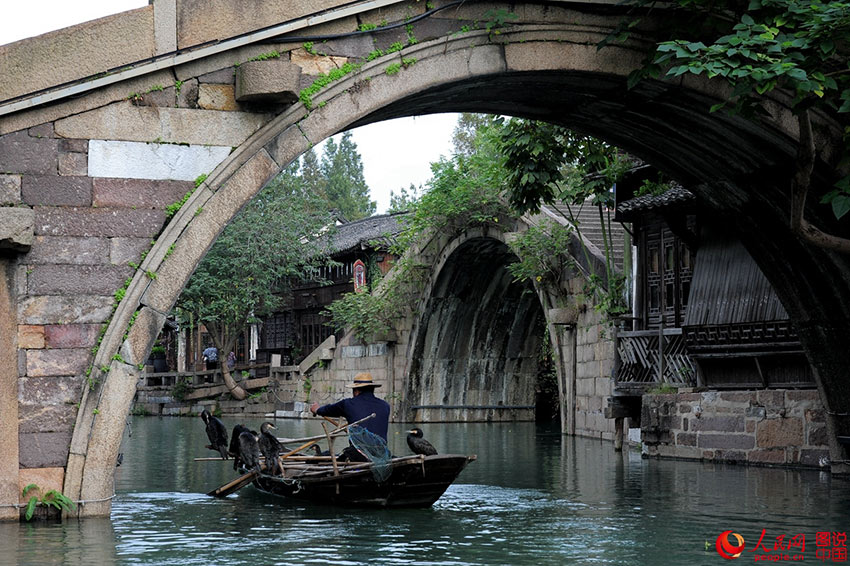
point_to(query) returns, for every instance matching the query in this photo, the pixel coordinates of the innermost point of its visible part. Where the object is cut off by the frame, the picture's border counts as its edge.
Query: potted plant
(158, 356)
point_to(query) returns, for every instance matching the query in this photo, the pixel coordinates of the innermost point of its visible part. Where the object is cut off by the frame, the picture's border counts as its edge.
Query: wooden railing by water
(653, 356)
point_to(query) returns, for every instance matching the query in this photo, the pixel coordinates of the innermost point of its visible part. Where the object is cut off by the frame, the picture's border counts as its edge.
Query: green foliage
(52, 498)
(344, 183)
(463, 192)
(182, 386)
(404, 200)
(550, 164)
(772, 44)
(308, 47)
(541, 252)
(663, 389)
(173, 208)
(366, 27)
(496, 19)
(364, 313)
(243, 277)
(393, 68)
(652, 188)
(323, 80)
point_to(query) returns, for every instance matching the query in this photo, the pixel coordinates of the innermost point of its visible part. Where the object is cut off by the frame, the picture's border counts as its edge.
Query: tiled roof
(358, 234)
(675, 196)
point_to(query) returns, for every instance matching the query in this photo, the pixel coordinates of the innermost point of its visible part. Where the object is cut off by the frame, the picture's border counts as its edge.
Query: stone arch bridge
(104, 124)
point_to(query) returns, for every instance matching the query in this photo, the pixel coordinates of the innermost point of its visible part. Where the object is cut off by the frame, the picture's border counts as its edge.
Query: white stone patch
(136, 160)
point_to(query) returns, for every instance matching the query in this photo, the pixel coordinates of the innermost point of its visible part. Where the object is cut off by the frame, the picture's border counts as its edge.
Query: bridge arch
(549, 71)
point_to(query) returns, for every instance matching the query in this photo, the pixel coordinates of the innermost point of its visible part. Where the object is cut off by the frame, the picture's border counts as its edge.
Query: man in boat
(362, 403)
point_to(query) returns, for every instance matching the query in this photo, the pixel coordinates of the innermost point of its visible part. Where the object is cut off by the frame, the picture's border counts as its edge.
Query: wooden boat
(415, 481)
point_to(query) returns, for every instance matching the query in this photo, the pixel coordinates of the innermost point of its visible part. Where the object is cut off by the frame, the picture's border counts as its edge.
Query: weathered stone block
(771, 399)
(217, 97)
(315, 65)
(44, 449)
(65, 361)
(103, 222)
(272, 80)
(133, 160)
(718, 424)
(59, 249)
(779, 432)
(810, 457)
(138, 193)
(818, 435)
(124, 250)
(187, 96)
(45, 478)
(686, 439)
(725, 441)
(74, 146)
(222, 76)
(810, 395)
(17, 226)
(73, 164)
(10, 189)
(125, 122)
(30, 336)
(22, 154)
(71, 335)
(58, 309)
(78, 279)
(49, 417)
(56, 191)
(41, 131)
(772, 456)
(735, 397)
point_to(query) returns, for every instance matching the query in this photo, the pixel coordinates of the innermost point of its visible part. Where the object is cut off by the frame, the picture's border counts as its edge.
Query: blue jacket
(356, 408)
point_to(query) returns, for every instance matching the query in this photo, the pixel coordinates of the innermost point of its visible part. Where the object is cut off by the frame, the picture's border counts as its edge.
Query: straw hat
(363, 379)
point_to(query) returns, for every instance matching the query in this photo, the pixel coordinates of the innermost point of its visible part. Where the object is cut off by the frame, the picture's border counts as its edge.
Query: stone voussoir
(272, 80)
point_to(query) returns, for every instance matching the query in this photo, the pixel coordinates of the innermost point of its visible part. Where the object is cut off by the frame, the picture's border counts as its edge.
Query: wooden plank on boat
(234, 485)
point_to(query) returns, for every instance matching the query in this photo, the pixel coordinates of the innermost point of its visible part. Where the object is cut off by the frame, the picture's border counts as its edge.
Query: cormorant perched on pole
(249, 451)
(216, 432)
(233, 450)
(418, 444)
(270, 447)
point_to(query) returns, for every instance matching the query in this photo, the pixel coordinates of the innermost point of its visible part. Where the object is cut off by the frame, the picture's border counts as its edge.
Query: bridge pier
(9, 458)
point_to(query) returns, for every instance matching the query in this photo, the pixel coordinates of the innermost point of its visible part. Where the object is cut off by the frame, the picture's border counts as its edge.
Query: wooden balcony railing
(653, 356)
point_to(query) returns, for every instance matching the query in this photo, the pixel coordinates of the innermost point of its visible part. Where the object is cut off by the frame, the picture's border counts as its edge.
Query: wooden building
(359, 248)
(704, 314)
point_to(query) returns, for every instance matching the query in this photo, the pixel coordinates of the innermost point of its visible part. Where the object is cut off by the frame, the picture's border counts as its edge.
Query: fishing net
(375, 449)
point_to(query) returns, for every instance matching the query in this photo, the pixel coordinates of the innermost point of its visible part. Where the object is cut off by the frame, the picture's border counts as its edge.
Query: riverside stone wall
(771, 427)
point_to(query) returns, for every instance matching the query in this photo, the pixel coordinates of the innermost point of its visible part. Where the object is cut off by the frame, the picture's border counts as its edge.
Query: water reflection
(532, 497)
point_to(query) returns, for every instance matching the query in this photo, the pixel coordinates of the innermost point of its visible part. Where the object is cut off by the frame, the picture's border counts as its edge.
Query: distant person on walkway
(361, 404)
(231, 361)
(211, 357)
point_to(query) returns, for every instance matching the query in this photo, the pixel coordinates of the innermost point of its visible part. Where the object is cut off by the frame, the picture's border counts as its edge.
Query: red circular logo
(728, 550)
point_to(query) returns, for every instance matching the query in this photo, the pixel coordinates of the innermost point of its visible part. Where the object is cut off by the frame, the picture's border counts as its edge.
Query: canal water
(532, 497)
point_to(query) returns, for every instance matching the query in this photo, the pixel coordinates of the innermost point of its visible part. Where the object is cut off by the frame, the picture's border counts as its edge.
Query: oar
(243, 480)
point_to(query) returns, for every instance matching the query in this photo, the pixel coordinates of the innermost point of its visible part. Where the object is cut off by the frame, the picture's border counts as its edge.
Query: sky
(395, 153)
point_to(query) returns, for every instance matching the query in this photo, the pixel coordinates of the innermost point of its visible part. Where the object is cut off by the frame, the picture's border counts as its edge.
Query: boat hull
(414, 482)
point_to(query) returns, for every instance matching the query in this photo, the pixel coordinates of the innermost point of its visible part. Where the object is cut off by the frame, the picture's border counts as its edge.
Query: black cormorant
(249, 451)
(418, 444)
(270, 447)
(233, 450)
(216, 432)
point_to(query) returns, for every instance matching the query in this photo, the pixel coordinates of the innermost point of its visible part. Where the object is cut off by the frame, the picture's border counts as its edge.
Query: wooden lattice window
(667, 270)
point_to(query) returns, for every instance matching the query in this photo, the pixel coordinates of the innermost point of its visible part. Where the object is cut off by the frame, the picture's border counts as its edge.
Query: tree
(312, 177)
(546, 163)
(405, 200)
(465, 132)
(270, 242)
(346, 187)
